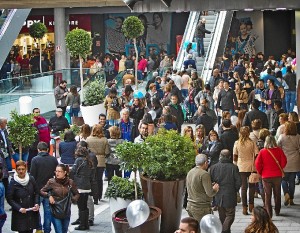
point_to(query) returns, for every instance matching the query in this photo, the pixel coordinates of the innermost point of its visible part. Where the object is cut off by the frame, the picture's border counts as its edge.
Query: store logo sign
(28, 23)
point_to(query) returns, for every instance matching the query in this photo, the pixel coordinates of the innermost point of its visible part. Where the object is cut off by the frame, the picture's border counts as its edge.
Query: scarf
(21, 181)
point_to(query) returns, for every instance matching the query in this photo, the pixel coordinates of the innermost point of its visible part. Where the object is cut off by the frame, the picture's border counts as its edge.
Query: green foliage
(21, 131)
(132, 27)
(94, 93)
(132, 155)
(171, 156)
(122, 188)
(37, 30)
(79, 42)
(74, 128)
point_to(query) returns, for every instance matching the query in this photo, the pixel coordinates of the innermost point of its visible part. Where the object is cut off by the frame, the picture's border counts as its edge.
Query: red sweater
(266, 165)
(43, 129)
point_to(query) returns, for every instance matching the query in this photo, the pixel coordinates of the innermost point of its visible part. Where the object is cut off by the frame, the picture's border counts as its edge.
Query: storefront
(27, 44)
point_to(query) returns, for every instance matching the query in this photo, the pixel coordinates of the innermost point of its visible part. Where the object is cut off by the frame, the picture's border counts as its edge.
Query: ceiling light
(248, 9)
(281, 8)
(167, 3)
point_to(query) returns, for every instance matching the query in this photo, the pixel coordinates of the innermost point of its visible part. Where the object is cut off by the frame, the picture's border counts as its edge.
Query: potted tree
(37, 31)
(79, 43)
(133, 28)
(93, 103)
(170, 158)
(121, 192)
(21, 130)
(132, 156)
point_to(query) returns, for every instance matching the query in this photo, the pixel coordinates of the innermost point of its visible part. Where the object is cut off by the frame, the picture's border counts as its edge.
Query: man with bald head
(200, 189)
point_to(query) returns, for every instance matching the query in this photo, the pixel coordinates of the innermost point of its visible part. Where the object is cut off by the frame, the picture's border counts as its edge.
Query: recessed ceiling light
(248, 9)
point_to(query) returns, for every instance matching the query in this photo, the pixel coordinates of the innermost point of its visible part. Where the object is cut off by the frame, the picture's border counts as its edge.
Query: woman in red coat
(270, 163)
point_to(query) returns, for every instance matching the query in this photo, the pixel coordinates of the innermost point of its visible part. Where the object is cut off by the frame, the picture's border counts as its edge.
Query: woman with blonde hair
(244, 153)
(289, 142)
(200, 138)
(270, 163)
(98, 144)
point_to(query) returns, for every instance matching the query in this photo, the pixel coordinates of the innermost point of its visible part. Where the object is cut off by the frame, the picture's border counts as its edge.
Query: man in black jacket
(228, 177)
(42, 169)
(200, 36)
(256, 114)
(229, 136)
(58, 122)
(290, 94)
(205, 120)
(227, 99)
(176, 111)
(277, 111)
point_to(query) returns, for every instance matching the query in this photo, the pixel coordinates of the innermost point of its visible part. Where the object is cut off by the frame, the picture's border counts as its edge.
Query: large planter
(152, 225)
(90, 114)
(117, 204)
(168, 196)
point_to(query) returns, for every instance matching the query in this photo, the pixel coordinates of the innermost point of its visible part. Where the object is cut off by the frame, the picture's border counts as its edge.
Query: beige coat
(245, 154)
(291, 147)
(111, 113)
(100, 147)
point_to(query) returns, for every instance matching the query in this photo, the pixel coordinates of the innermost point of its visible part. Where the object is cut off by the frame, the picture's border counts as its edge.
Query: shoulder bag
(254, 176)
(282, 172)
(61, 209)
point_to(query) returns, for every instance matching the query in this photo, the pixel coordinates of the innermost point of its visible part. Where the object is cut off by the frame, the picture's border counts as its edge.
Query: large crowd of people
(244, 122)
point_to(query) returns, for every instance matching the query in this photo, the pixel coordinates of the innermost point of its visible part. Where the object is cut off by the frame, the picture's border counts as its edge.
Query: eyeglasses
(59, 171)
(36, 112)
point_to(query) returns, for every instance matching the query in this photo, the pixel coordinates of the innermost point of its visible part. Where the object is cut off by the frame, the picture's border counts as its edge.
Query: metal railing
(187, 36)
(213, 46)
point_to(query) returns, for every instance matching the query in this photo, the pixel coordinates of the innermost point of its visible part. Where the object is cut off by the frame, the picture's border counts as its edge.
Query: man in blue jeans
(200, 36)
(42, 169)
(290, 94)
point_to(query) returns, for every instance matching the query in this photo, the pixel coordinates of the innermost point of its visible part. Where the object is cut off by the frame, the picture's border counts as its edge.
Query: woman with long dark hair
(57, 189)
(73, 101)
(83, 174)
(67, 148)
(261, 222)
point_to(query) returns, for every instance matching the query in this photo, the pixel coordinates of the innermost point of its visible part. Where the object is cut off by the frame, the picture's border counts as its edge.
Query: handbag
(61, 209)
(282, 172)
(254, 177)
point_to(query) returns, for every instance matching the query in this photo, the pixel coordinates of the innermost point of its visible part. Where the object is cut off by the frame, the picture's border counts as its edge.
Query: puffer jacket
(83, 174)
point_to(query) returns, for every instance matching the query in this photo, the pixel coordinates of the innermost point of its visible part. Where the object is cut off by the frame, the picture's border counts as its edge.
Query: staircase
(217, 43)
(211, 20)
(12, 24)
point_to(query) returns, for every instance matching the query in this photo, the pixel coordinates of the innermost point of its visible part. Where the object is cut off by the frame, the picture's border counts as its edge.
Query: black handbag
(61, 209)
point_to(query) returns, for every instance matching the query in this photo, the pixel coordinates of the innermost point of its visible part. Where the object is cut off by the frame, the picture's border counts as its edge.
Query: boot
(245, 210)
(286, 199)
(292, 201)
(251, 206)
(77, 222)
(84, 221)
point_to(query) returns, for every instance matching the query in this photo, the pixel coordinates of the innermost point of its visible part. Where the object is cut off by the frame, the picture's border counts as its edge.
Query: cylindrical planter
(168, 196)
(152, 225)
(90, 114)
(115, 205)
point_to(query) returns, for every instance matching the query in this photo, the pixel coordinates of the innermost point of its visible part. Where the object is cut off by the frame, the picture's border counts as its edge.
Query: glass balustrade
(12, 88)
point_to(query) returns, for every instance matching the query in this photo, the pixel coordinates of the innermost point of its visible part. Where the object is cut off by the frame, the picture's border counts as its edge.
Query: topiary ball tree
(133, 28)
(37, 31)
(79, 43)
(22, 133)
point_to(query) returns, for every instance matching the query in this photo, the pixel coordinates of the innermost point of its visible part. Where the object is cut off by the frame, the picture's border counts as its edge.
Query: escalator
(11, 22)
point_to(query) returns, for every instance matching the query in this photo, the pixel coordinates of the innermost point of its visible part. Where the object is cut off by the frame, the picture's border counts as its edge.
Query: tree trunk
(41, 71)
(81, 76)
(136, 63)
(135, 186)
(20, 151)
